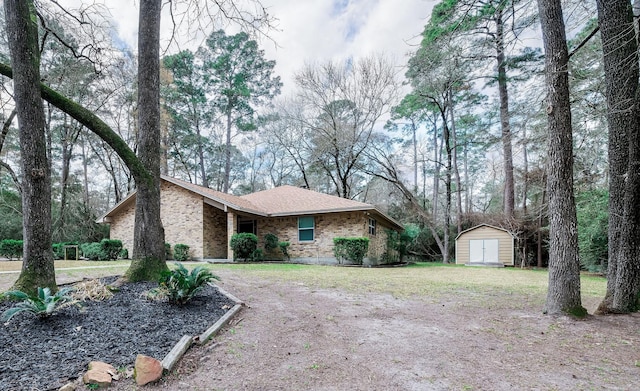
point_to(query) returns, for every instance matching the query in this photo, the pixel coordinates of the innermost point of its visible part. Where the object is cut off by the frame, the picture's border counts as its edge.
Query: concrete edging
(171, 359)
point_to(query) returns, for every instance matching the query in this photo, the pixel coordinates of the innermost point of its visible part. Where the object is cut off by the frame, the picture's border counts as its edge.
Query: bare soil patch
(297, 336)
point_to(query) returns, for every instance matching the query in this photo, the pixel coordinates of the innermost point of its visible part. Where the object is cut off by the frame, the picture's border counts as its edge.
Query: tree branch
(13, 175)
(584, 41)
(93, 123)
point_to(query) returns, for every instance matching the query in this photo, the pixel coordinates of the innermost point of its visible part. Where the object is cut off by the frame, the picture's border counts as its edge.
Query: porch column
(231, 229)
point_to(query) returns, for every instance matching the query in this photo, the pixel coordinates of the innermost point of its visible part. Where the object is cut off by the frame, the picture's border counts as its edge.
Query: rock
(102, 366)
(147, 370)
(99, 373)
(95, 376)
(68, 387)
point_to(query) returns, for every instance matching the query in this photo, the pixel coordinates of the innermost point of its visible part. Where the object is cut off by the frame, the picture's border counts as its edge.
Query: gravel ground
(46, 354)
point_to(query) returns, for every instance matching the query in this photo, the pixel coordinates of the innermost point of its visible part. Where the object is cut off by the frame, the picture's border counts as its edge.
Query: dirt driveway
(296, 337)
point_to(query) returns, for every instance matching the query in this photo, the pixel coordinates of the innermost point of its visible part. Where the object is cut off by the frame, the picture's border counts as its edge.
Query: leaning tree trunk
(148, 234)
(563, 295)
(621, 77)
(22, 35)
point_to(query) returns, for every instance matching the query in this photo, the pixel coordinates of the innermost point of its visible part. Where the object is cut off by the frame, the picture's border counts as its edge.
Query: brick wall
(327, 227)
(215, 233)
(121, 227)
(182, 217)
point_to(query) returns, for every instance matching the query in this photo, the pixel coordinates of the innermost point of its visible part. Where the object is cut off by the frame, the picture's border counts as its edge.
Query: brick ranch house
(205, 220)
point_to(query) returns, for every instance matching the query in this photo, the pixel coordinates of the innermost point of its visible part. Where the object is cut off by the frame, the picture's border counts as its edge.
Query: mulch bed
(45, 354)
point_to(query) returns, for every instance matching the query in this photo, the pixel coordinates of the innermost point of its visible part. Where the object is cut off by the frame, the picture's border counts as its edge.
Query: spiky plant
(42, 305)
(180, 285)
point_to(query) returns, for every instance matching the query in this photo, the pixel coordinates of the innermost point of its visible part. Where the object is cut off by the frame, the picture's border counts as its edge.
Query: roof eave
(116, 208)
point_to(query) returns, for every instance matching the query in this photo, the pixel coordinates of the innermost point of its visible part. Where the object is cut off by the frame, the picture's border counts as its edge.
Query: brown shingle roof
(291, 200)
(234, 202)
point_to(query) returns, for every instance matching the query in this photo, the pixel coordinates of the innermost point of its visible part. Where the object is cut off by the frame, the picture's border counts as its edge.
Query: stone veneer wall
(215, 233)
(182, 217)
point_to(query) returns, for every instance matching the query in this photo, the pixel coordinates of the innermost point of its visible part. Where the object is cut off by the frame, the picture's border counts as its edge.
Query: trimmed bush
(284, 247)
(92, 251)
(124, 254)
(10, 248)
(350, 249)
(244, 245)
(111, 248)
(270, 242)
(181, 252)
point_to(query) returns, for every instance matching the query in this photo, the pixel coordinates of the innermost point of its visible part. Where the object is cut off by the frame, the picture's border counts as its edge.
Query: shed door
(483, 250)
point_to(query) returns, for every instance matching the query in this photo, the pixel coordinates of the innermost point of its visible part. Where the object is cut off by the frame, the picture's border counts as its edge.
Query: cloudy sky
(321, 30)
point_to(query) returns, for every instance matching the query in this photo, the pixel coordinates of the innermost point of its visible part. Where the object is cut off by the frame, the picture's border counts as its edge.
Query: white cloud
(313, 31)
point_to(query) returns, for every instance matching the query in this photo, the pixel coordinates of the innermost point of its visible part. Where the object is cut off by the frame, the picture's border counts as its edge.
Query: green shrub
(270, 242)
(124, 254)
(92, 251)
(350, 249)
(243, 245)
(257, 255)
(111, 248)
(43, 305)
(284, 247)
(181, 252)
(167, 251)
(10, 248)
(180, 285)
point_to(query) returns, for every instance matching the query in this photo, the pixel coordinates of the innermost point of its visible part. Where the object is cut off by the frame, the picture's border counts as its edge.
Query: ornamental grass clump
(179, 285)
(42, 305)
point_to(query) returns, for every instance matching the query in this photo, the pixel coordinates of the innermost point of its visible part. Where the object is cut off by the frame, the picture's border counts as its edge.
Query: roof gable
(481, 226)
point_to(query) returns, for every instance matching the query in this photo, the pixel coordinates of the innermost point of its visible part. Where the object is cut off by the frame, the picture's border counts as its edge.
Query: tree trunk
(148, 249)
(436, 162)
(509, 197)
(227, 154)
(621, 77)
(563, 295)
(22, 35)
(456, 171)
(447, 185)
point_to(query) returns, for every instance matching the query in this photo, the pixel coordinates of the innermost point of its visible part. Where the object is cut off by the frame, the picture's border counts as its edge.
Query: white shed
(485, 244)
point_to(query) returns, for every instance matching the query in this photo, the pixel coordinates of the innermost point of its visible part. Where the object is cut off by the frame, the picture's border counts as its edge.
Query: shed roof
(484, 225)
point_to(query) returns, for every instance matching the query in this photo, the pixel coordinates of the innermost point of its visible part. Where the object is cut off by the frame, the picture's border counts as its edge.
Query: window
(306, 227)
(372, 227)
(247, 226)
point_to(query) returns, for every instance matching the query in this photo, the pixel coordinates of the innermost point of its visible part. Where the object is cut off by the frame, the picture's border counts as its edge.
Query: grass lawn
(422, 279)
(427, 280)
